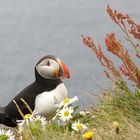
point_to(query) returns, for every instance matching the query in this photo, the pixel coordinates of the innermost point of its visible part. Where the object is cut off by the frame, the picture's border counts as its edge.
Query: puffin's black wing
(28, 94)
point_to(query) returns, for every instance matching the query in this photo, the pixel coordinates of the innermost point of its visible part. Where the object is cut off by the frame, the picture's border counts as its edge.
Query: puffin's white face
(51, 69)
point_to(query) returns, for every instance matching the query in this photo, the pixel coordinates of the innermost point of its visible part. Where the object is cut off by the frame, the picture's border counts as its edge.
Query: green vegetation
(119, 105)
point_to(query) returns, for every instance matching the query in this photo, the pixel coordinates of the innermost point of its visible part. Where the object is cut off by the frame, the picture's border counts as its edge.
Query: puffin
(41, 95)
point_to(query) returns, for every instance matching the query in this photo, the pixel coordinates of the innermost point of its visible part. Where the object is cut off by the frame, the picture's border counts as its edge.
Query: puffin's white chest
(45, 103)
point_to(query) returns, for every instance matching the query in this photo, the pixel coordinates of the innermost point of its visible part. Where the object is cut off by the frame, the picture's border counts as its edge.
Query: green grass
(121, 105)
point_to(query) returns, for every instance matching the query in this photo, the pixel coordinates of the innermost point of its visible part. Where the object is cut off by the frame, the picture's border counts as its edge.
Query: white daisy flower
(8, 135)
(31, 118)
(79, 127)
(67, 102)
(66, 113)
(40, 118)
(25, 122)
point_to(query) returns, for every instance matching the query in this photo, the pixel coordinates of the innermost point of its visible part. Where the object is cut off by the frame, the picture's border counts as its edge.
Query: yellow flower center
(66, 101)
(27, 116)
(115, 125)
(88, 135)
(66, 113)
(79, 126)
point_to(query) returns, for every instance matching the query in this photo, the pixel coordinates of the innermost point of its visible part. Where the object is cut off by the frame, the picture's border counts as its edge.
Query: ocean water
(30, 29)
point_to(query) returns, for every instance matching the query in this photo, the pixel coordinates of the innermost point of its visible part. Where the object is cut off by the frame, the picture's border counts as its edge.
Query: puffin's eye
(48, 63)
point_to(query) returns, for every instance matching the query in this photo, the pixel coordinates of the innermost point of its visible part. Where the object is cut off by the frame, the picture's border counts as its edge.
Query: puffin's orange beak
(66, 73)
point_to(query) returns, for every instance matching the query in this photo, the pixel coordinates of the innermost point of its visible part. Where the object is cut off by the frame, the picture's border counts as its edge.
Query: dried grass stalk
(18, 108)
(28, 107)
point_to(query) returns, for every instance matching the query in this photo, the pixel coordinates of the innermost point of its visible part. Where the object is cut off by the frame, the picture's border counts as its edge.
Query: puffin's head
(50, 67)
